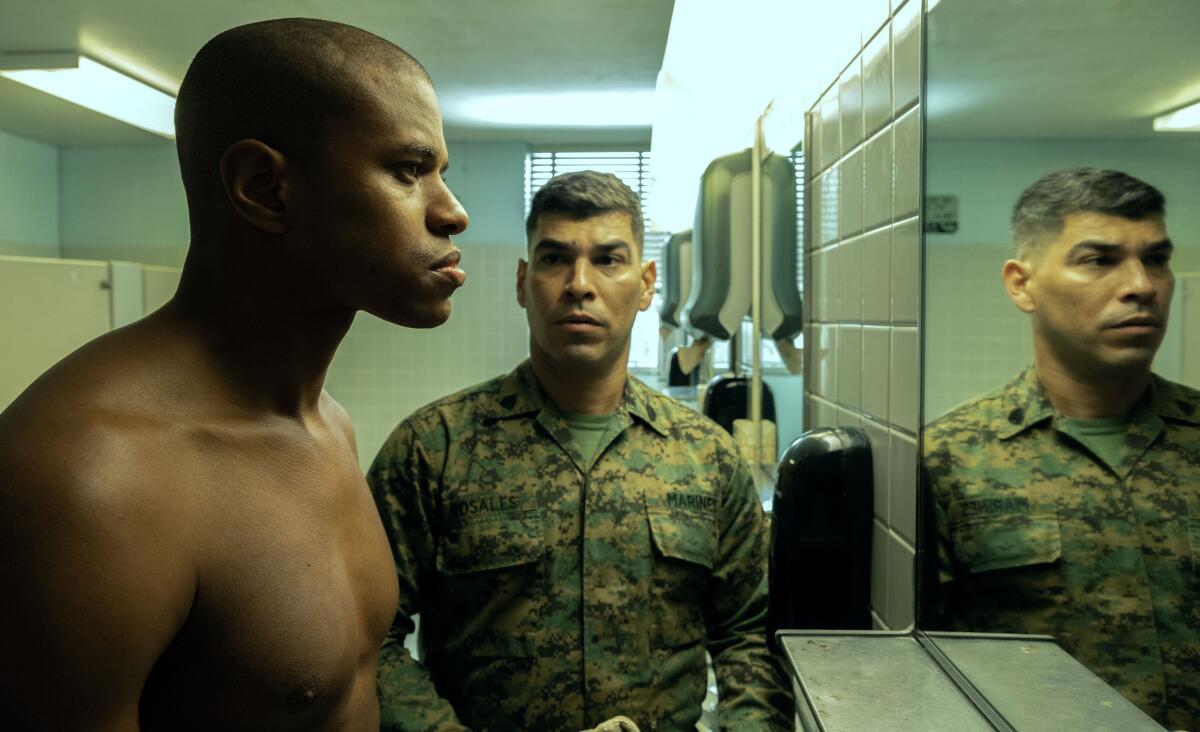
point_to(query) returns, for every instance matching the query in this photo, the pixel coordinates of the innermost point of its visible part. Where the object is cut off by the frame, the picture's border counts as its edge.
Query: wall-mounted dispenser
(677, 279)
(722, 248)
(820, 567)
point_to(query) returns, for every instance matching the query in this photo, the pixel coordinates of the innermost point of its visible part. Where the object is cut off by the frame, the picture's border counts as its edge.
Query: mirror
(1015, 90)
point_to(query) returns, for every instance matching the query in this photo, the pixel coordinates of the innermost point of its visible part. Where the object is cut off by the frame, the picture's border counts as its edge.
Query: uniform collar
(520, 393)
(1025, 404)
(1173, 402)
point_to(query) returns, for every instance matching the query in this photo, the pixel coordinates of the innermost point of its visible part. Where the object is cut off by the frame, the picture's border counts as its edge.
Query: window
(633, 168)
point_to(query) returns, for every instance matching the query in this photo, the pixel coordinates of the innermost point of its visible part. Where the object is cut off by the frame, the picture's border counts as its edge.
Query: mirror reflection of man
(573, 541)
(1068, 502)
(188, 542)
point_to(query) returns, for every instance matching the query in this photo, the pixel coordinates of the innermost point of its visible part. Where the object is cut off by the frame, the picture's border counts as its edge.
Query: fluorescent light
(95, 86)
(723, 65)
(629, 108)
(1181, 120)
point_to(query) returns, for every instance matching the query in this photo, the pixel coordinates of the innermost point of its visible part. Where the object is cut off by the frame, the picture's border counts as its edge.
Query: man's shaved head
(283, 82)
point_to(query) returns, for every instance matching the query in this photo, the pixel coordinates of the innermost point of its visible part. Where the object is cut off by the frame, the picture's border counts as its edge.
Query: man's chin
(425, 316)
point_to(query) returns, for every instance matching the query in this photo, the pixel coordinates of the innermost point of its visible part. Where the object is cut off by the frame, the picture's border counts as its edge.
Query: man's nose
(579, 283)
(1137, 284)
(445, 215)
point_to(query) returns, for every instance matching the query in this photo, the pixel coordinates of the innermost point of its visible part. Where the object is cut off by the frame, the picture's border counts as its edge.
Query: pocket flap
(1006, 539)
(494, 541)
(684, 535)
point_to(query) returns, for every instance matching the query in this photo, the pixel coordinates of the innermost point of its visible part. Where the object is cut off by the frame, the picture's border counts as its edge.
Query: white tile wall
(877, 276)
(902, 491)
(875, 15)
(817, 263)
(850, 105)
(828, 183)
(864, 152)
(850, 274)
(880, 542)
(826, 359)
(907, 186)
(904, 386)
(877, 82)
(906, 273)
(849, 366)
(906, 55)
(831, 133)
(850, 215)
(876, 357)
(880, 436)
(900, 593)
(877, 203)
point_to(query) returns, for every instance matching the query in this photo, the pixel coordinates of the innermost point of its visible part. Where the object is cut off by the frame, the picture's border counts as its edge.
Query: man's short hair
(285, 82)
(584, 194)
(1041, 208)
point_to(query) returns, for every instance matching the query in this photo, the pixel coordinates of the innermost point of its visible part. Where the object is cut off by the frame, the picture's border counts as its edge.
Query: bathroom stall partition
(54, 306)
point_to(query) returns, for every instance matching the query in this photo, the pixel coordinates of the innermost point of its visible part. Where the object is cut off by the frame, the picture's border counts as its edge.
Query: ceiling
(1059, 68)
(470, 47)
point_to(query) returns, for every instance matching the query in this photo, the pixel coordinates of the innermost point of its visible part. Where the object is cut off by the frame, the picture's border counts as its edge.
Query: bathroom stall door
(49, 308)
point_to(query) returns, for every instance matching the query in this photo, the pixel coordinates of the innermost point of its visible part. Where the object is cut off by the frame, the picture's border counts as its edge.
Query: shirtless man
(187, 540)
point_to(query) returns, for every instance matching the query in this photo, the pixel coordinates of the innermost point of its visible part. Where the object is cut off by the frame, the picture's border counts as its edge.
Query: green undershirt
(1105, 437)
(587, 430)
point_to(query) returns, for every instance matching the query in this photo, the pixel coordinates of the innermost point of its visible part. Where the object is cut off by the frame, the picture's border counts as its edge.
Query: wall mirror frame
(1015, 90)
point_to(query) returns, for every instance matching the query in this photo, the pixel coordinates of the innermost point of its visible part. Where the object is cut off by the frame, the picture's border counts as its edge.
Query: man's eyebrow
(1105, 247)
(606, 247)
(552, 244)
(419, 149)
(614, 245)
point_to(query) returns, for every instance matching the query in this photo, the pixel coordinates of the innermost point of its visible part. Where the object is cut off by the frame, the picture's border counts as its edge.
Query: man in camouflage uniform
(1068, 501)
(572, 540)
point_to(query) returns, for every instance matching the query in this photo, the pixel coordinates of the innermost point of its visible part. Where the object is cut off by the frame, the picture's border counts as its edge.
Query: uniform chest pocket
(685, 545)
(492, 541)
(1006, 540)
(490, 590)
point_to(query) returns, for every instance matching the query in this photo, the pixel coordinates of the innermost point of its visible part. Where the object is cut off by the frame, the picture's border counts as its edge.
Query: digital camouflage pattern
(1037, 534)
(554, 594)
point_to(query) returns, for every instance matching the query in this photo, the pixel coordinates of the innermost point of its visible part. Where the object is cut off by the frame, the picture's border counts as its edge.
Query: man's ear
(1017, 274)
(253, 174)
(521, 265)
(649, 275)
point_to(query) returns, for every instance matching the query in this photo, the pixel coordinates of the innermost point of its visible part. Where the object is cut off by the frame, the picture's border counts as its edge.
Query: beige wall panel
(50, 307)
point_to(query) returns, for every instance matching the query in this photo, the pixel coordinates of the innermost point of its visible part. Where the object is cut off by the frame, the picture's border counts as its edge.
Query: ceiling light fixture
(629, 108)
(1186, 119)
(80, 80)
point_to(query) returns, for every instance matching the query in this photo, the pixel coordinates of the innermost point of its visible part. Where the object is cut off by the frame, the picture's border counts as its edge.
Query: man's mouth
(448, 267)
(1137, 325)
(1138, 321)
(580, 320)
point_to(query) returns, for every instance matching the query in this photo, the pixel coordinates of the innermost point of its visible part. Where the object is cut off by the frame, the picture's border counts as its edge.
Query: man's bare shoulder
(99, 571)
(100, 431)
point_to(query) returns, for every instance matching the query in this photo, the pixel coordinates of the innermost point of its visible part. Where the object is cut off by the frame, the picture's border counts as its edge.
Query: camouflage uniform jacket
(1037, 534)
(555, 594)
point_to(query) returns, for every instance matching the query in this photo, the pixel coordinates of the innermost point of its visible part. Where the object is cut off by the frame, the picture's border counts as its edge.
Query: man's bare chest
(295, 592)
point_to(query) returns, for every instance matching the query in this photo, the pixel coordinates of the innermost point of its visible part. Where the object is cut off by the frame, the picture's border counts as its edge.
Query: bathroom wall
(127, 203)
(29, 200)
(863, 265)
(976, 339)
